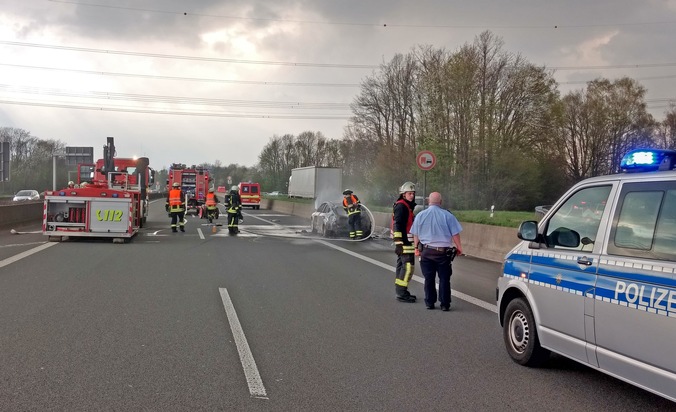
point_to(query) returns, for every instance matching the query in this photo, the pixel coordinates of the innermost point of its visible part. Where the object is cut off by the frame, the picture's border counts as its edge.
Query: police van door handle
(584, 261)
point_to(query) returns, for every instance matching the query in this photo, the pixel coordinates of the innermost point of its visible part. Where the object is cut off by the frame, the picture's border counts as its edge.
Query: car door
(563, 274)
(635, 311)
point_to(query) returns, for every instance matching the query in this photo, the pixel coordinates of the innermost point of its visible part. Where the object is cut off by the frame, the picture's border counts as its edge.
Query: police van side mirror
(528, 231)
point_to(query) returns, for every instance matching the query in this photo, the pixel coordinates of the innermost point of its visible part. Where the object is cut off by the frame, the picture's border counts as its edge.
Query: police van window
(646, 225)
(580, 215)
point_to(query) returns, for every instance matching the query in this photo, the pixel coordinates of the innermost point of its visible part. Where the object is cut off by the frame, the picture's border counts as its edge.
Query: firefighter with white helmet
(233, 206)
(176, 207)
(352, 207)
(71, 185)
(402, 220)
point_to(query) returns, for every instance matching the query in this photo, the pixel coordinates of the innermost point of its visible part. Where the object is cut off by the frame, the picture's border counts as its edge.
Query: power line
(175, 112)
(293, 64)
(371, 24)
(195, 58)
(175, 99)
(192, 79)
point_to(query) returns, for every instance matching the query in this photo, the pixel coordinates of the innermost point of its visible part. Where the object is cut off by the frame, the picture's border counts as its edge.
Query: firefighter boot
(182, 229)
(406, 298)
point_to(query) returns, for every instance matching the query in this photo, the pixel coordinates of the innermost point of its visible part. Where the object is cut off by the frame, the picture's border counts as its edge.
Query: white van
(595, 279)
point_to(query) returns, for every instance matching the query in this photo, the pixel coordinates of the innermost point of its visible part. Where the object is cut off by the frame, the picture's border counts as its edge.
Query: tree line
(501, 131)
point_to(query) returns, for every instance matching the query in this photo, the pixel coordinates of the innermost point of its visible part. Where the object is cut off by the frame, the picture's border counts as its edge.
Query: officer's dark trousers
(435, 262)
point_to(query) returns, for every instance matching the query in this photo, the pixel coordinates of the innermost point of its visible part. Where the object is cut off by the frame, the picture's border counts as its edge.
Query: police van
(595, 279)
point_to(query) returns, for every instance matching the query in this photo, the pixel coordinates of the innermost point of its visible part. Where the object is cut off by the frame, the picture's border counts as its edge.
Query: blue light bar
(645, 160)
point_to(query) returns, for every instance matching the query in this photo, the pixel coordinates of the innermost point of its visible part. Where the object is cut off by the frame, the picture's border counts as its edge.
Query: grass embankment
(500, 218)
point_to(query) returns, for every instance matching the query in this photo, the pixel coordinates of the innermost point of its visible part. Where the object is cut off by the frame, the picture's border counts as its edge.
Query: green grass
(500, 218)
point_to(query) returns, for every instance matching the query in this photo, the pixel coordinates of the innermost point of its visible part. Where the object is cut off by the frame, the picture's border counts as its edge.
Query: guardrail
(482, 241)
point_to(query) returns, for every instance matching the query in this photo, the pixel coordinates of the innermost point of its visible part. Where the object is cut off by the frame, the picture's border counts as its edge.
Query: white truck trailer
(316, 182)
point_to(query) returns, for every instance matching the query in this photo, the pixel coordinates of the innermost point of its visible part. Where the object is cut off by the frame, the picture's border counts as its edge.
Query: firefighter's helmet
(407, 187)
(71, 183)
(176, 184)
(234, 188)
(347, 192)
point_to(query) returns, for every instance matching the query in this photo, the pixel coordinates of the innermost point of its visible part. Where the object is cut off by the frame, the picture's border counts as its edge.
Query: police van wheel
(520, 335)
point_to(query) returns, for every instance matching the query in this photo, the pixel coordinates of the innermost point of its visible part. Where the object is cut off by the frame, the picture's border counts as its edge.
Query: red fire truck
(111, 200)
(250, 193)
(194, 182)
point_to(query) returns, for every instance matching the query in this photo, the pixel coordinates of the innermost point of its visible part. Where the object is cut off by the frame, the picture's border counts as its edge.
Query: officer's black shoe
(446, 308)
(431, 307)
(406, 298)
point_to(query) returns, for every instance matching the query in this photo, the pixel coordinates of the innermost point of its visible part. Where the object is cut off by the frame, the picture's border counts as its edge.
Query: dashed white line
(253, 377)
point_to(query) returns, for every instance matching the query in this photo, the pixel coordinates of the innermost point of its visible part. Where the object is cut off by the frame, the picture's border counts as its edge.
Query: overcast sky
(205, 80)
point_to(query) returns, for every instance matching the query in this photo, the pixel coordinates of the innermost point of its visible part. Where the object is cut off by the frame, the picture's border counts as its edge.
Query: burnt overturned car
(330, 220)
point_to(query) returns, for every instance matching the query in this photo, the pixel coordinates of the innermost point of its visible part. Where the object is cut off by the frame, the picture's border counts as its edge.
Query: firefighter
(71, 185)
(352, 206)
(402, 220)
(211, 205)
(176, 207)
(233, 205)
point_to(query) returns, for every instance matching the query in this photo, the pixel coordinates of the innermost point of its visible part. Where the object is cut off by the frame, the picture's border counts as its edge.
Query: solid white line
(200, 233)
(419, 279)
(253, 378)
(27, 253)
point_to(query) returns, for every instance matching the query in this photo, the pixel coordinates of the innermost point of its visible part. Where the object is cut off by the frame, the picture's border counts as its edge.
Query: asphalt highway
(273, 319)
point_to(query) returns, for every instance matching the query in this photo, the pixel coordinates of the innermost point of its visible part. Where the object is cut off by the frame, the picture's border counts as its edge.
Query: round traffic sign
(426, 160)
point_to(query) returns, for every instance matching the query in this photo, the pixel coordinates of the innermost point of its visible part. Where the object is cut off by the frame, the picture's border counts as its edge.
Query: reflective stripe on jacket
(352, 206)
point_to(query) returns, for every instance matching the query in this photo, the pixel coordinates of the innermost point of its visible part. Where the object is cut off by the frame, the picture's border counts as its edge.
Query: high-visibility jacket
(176, 200)
(211, 201)
(351, 204)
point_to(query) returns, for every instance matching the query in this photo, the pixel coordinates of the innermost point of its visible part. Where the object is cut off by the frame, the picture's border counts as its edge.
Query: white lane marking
(253, 378)
(199, 231)
(27, 253)
(22, 244)
(419, 279)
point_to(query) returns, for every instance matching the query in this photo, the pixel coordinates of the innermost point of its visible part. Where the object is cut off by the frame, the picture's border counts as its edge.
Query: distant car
(330, 220)
(221, 189)
(275, 193)
(26, 195)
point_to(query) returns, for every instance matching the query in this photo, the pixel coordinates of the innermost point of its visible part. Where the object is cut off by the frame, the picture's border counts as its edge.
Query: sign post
(425, 160)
